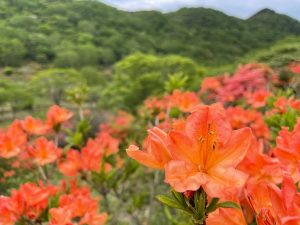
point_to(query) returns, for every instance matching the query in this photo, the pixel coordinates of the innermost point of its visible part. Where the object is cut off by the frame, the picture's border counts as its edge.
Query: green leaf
(228, 204)
(179, 197)
(200, 203)
(212, 205)
(170, 202)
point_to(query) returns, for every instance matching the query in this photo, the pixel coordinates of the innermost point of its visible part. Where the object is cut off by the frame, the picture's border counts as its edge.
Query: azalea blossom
(276, 206)
(44, 151)
(258, 98)
(156, 153)
(72, 164)
(12, 140)
(295, 67)
(185, 101)
(57, 115)
(203, 154)
(34, 126)
(287, 150)
(240, 118)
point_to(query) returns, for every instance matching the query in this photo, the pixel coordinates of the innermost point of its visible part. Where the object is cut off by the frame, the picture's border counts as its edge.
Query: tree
(12, 52)
(65, 59)
(55, 82)
(139, 76)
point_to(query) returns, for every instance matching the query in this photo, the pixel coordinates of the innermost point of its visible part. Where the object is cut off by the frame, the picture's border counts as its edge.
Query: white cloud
(241, 8)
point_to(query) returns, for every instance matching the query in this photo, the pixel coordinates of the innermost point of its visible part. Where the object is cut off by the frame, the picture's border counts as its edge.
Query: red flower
(295, 67)
(57, 115)
(156, 153)
(72, 164)
(34, 126)
(12, 141)
(44, 151)
(91, 156)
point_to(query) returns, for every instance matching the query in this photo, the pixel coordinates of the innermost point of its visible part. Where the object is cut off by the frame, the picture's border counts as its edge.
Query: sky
(238, 8)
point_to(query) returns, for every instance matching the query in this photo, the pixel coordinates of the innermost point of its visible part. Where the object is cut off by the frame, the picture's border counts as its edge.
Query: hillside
(73, 33)
(279, 55)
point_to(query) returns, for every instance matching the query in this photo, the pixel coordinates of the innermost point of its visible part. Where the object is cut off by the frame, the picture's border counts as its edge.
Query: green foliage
(279, 55)
(287, 119)
(139, 76)
(55, 83)
(176, 81)
(8, 71)
(15, 95)
(78, 137)
(12, 52)
(35, 30)
(94, 76)
(78, 94)
(195, 204)
(65, 59)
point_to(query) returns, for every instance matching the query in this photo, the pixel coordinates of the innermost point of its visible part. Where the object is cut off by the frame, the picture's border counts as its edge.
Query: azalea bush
(225, 154)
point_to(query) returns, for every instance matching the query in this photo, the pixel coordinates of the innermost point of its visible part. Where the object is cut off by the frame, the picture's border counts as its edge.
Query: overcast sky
(239, 8)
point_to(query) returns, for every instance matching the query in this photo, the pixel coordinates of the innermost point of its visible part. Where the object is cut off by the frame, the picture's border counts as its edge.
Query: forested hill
(72, 33)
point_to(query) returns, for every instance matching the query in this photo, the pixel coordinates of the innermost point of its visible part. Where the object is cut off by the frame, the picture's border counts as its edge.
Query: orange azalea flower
(34, 126)
(240, 117)
(183, 100)
(203, 154)
(8, 216)
(12, 141)
(258, 98)
(91, 156)
(286, 202)
(118, 124)
(156, 105)
(156, 153)
(34, 198)
(44, 151)
(210, 83)
(206, 153)
(9, 173)
(93, 219)
(106, 142)
(282, 103)
(226, 217)
(287, 150)
(60, 216)
(57, 115)
(259, 166)
(72, 164)
(78, 204)
(295, 67)
(258, 199)
(275, 206)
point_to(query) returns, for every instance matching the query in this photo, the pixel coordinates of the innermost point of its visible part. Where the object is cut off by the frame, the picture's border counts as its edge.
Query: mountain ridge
(66, 32)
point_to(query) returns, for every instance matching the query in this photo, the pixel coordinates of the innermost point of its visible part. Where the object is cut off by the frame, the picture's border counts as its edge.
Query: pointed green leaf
(212, 205)
(179, 197)
(170, 202)
(228, 204)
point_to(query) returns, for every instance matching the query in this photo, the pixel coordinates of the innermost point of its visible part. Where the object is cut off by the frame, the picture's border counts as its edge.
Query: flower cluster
(32, 202)
(234, 155)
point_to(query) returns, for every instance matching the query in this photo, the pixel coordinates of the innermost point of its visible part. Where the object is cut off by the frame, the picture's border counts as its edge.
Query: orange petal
(276, 199)
(289, 191)
(203, 115)
(226, 217)
(234, 151)
(144, 158)
(183, 176)
(182, 148)
(158, 144)
(224, 181)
